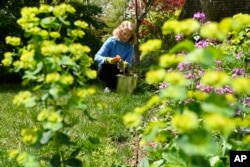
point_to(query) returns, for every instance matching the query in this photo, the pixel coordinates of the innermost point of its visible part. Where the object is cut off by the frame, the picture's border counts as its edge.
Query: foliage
(103, 140)
(10, 12)
(202, 109)
(58, 67)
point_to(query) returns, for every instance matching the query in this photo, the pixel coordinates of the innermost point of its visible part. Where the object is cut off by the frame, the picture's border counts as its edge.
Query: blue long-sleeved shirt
(113, 47)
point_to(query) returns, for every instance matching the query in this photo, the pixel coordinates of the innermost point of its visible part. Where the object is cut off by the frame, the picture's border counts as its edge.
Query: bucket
(126, 83)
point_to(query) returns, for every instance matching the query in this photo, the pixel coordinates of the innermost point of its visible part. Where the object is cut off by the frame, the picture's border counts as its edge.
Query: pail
(126, 83)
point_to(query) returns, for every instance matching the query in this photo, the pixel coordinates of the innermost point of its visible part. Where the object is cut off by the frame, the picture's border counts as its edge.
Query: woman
(116, 54)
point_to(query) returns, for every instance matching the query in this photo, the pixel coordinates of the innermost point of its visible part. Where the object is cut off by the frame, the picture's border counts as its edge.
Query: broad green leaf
(174, 92)
(198, 143)
(49, 22)
(144, 162)
(64, 21)
(200, 56)
(63, 138)
(66, 60)
(45, 137)
(185, 45)
(74, 162)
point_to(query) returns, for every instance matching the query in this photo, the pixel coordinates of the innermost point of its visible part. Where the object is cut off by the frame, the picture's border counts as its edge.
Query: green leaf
(45, 137)
(219, 164)
(64, 139)
(73, 162)
(75, 153)
(185, 45)
(52, 126)
(173, 158)
(49, 22)
(144, 162)
(94, 140)
(55, 161)
(64, 21)
(174, 92)
(197, 143)
(66, 60)
(217, 104)
(200, 56)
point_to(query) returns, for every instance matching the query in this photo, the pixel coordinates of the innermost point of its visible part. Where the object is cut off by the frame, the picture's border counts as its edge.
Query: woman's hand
(113, 60)
(122, 65)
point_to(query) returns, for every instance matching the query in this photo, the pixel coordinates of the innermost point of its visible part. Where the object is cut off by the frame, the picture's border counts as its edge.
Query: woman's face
(125, 35)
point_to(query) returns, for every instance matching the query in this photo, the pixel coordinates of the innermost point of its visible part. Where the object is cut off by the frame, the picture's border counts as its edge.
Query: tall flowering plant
(55, 68)
(202, 109)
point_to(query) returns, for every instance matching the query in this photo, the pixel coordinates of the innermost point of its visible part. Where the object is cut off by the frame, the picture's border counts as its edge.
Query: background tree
(214, 10)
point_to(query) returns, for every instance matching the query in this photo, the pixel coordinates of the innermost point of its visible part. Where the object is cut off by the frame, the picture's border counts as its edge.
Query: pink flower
(200, 17)
(163, 85)
(202, 44)
(178, 37)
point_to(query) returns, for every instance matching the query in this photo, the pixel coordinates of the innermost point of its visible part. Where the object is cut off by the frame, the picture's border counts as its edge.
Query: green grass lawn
(104, 141)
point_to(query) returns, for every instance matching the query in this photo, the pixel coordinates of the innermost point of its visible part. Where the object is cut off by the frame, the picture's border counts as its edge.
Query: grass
(104, 141)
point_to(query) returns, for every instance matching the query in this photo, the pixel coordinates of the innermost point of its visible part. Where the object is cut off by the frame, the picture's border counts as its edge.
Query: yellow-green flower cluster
(81, 24)
(215, 78)
(132, 119)
(45, 8)
(14, 41)
(49, 48)
(150, 45)
(62, 9)
(51, 119)
(30, 136)
(79, 51)
(29, 19)
(175, 78)
(27, 59)
(23, 158)
(185, 122)
(155, 76)
(54, 35)
(221, 30)
(51, 116)
(24, 98)
(7, 61)
(220, 123)
(180, 27)
(66, 79)
(241, 85)
(168, 60)
(76, 33)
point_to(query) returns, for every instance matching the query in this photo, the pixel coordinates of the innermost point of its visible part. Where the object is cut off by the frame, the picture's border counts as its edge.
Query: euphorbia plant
(196, 119)
(55, 68)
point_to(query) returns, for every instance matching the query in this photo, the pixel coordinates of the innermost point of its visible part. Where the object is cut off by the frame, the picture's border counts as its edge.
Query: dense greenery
(103, 139)
(202, 110)
(198, 113)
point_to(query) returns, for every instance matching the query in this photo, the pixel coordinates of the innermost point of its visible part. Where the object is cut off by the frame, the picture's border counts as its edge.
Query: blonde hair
(125, 25)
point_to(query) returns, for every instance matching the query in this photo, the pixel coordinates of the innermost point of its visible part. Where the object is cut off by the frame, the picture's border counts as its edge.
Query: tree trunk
(190, 8)
(139, 18)
(215, 10)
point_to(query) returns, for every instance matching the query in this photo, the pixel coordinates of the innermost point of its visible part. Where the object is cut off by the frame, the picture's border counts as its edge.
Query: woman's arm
(103, 53)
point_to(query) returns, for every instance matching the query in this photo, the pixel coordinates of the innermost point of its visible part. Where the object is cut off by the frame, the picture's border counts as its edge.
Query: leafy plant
(201, 111)
(55, 69)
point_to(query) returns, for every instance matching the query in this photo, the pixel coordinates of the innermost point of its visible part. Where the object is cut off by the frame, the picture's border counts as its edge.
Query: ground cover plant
(104, 140)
